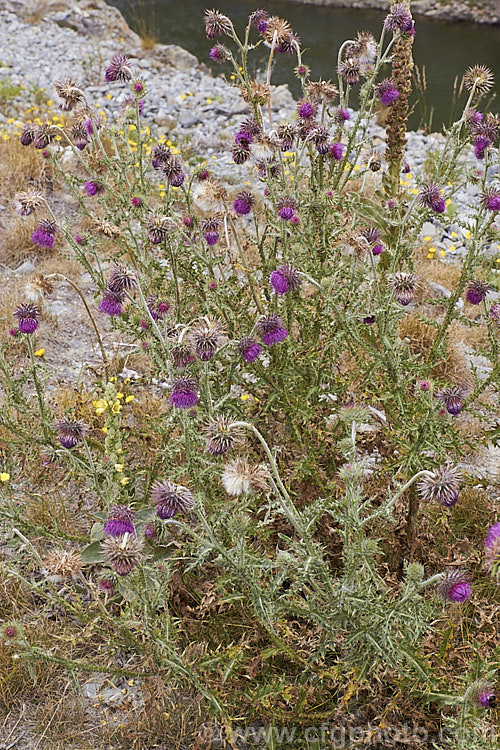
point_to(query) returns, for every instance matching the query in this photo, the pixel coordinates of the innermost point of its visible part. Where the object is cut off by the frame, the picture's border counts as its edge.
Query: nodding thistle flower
(454, 586)
(216, 24)
(285, 279)
(494, 314)
(242, 478)
(184, 393)
(28, 318)
(160, 156)
(43, 135)
(174, 172)
(209, 228)
(79, 136)
(480, 78)
(453, 398)
(286, 207)
(181, 356)
(480, 146)
(45, 232)
(243, 203)
(240, 154)
(481, 693)
(259, 19)
(492, 545)
(430, 197)
(443, 487)
(71, 432)
(118, 69)
(249, 349)
(349, 70)
(27, 134)
(222, 434)
(25, 203)
(336, 151)
(490, 199)
(207, 337)
(171, 499)
(70, 93)
(286, 133)
(399, 19)
(403, 286)
(477, 291)
(158, 227)
(387, 92)
(306, 109)
(92, 187)
(122, 279)
(112, 303)
(157, 308)
(219, 54)
(271, 329)
(120, 521)
(123, 553)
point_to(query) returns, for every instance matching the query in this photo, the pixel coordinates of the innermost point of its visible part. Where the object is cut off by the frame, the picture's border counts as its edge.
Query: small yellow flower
(4, 476)
(442, 252)
(100, 406)
(124, 480)
(116, 408)
(109, 96)
(129, 399)
(245, 397)
(208, 101)
(105, 430)
(427, 238)
(119, 467)
(39, 352)
(120, 395)
(112, 379)
(183, 96)
(467, 235)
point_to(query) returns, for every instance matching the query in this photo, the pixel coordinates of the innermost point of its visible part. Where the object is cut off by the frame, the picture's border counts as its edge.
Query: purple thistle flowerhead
(477, 291)
(453, 398)
(258, 19)
(442, 487)
(349, 70)
(27, 134)
(492, 545)
(490, 199)
(342, 115)
(123, 552)
(118, 69)
(306, 109)
(286, 133)
(216, 24)
(454, 586)
(243, 138)
(88, 125)
(122, 279)
(138, 87)
(45, 232)
(160, 156)
(71, 431)
(79, 136)
(206, 337)
(482, 693)
(481, 143)
(240, 154)
(377, 249)
(157, 308)
(112, 303)
(43, 135)
(271, 329)
(243, 203)
(174, 172)
(286, 207)
(494, 314)
(219, 54)
(181, 356)
(120, 521)
(336, 150)
(106, 585)
(387, 92)
(222, 434)
(369, 320)
(92, 188)
(371, 235)
(130, 101)
(399, 19)
(430, 197)
(150, 532)
(209, 228)
(249, 349)
(184, 393)
(171, 499)
(403, 286)
(28, 317)
(136, 201)
(284, 279)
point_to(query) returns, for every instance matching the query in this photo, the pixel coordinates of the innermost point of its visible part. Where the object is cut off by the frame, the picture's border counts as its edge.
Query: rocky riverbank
(473, 11)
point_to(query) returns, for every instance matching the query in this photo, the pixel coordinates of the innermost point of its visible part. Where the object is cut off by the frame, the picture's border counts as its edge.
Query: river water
(444, 50)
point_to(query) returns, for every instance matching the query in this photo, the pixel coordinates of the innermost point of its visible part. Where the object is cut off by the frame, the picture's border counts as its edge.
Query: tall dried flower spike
(71, 432)
(118, 69)
(480, 78)
(454, 586)
(222, 434)
(443, 487)
(120, 521)
(123, 552)
(241, 478)
(28, 317)
(171, 499)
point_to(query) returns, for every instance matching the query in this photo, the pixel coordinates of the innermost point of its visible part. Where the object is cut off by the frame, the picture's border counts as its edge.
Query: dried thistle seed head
(107, 229)
(222, 434)
(364, 48)
(453, 398)
(240, 154)
(181, 355)
(480, 78)
(289, 45)
(171, 498)
(118, 69)
(158, 227)
(279, 27)
(374, 161)
(286, 133)
(454, 586)
(160, 155)
(37, 288)
(64, 564)
(120, 521)
(28, 317)
(258, 94)
(70, 93)
(25, 203)
(321, 91)
(209, 195)
(216, 24)
(123, 552)
(404, 286)
(443, 487)
(349, 70)
(206, 337)
(122, 279)
(71, 431)
(241, 478)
